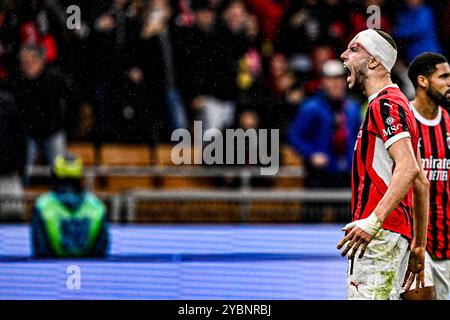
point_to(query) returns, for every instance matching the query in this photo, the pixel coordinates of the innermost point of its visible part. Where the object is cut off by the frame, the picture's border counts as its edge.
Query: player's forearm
(402, 180)
(420, 211)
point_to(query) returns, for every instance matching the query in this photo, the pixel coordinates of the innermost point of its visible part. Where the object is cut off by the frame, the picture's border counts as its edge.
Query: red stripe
(426, 146)
(362, 175)
(376, 124)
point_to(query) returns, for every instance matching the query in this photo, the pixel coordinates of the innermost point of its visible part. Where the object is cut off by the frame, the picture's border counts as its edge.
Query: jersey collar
(428, 122)
(373, 96)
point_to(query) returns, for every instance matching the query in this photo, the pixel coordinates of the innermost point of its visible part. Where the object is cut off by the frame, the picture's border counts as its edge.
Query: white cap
(333, 68)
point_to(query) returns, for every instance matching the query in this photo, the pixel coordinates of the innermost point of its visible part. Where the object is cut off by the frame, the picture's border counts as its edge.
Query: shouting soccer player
(387, 180)
(430, 74)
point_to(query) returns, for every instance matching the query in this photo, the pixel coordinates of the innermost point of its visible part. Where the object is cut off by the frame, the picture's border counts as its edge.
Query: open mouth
(349, 73)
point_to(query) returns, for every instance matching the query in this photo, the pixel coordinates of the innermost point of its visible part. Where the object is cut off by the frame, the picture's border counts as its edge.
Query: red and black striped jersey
(389, 118)
(434, 146)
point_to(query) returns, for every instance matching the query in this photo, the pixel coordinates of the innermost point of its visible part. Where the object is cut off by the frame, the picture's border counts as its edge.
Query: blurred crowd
(134, 70)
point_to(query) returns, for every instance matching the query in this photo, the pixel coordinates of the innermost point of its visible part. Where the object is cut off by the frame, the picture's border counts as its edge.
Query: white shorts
(379, 274)
(437, 274)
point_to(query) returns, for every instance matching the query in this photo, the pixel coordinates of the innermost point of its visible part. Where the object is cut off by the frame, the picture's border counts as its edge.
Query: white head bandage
(378, 47)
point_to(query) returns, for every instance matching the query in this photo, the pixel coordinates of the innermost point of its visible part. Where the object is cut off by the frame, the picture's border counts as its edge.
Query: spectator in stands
(284, 95)
(319, 55)
(324, 130)
(43, 23)
(415, 29)
(38, 25)
(269, 13)
(112, 38)
(250, 75)
(141, 108)
(12, 155)
(200, 41)
(74, 57)
(40, 92)
(214, 53)
(9, 39)
(156, 57)
(334, 16)
(183, 14)
(300, 32)
(247, 119)
(69, 221)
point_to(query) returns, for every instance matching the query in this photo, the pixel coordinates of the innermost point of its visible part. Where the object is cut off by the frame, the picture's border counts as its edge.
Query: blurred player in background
(386, 174)
(430, 74)
(69, 221)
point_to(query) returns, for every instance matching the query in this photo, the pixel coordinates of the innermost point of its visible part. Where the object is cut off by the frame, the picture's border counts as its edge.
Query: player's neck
(374, 84)
(425, 106)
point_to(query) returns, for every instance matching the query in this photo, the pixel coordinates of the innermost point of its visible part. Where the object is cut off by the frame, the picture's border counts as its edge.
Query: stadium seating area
(140, 158)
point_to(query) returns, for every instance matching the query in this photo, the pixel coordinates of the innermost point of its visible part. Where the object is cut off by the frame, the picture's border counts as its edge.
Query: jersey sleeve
(389, 121)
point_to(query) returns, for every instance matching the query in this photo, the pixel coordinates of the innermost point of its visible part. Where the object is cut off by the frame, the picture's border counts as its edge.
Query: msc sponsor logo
(391, 130)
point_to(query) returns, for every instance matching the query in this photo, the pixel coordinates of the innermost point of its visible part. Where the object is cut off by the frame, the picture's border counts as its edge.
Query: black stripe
(433, 192)
(408, 217)
(422, 148)
(371, 116)
(367, 181)
(406, 213)
(356, 178)
(444, 194)
(411, 225)
(385, 113)
(355, 172)
(382, 94)
(402, 116)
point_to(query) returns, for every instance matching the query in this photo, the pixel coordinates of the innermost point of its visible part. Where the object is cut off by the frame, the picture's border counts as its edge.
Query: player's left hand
(358, 238)
(415, 271)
